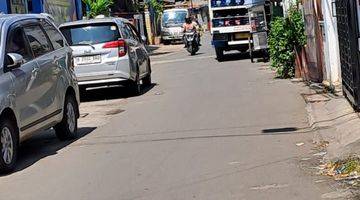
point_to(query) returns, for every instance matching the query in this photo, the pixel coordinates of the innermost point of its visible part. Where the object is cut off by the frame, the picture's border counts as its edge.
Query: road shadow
(159, 53)
(199, 53)
(41, 146)
(115, 92)
(280, 130)
(152, 48)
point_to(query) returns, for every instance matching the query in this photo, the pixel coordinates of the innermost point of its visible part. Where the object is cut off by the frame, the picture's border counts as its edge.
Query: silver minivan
(108, 51)
(38, 87)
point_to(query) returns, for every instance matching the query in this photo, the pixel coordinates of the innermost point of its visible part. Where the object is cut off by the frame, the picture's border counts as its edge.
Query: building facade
(61, 10)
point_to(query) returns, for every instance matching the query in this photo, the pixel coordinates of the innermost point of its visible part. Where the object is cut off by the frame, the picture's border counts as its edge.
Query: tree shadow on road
(42, 145)
(108, 93)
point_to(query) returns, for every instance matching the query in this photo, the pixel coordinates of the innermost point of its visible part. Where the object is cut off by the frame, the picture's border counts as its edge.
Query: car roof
(94, 21)
(176, 9)
(16, 17)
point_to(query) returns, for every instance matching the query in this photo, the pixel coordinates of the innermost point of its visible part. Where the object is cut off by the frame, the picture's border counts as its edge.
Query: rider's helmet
(188, 20)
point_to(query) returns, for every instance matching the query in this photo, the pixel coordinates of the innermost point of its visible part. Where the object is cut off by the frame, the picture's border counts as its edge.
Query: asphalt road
(205, 130)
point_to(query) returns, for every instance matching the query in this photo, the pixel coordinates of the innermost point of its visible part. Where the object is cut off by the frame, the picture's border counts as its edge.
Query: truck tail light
(253, 25)
(120, 44)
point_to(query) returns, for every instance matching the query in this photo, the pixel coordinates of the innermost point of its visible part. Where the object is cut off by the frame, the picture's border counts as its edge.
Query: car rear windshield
(91, 33)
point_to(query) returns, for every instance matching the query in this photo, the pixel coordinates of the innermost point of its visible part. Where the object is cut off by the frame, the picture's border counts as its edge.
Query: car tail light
(120, 44)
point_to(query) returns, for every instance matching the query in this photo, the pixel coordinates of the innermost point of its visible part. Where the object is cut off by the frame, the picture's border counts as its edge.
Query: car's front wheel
(9, 145)
(67, 128)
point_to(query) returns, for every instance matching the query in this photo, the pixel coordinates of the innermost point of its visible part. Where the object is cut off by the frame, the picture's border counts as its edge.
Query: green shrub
(286, 35)
(98, 7)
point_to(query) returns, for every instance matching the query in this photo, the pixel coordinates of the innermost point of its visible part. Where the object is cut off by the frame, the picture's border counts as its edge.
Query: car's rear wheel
(67, 128)
(219, 53)
(9, 145)
(147, 79)
(135, 86)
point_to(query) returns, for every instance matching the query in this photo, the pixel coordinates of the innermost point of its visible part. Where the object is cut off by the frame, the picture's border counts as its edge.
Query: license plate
(87, 60)
(241, 35)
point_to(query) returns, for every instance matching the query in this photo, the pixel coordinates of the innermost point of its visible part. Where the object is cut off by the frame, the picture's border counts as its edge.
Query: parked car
(172, 22)
(38, 87)
(108, 51)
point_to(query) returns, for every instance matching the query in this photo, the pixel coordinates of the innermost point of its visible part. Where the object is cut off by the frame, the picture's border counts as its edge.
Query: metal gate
(347, 25)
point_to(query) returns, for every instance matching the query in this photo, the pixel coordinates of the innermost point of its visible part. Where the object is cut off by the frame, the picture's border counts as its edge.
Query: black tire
(190, 48)
(251, 53)
(135, 86)
(67, 128)
(219, 54)
(194, 50)
(265, 55)
(166, 42)
(147, 79)
(12, 141)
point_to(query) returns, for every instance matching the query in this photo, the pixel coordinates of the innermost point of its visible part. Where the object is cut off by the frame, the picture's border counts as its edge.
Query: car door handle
(35, 70)
(56, 60)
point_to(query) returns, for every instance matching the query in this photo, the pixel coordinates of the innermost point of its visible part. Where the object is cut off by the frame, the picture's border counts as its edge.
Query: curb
(334, 120)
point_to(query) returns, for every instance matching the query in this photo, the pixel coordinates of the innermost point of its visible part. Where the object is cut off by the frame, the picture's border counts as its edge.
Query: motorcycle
(192, 42)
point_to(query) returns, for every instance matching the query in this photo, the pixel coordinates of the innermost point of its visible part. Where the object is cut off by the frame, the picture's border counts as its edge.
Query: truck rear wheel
(219, 53)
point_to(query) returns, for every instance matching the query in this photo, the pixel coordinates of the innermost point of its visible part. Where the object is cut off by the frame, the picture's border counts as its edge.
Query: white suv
(108, 51)
(38, 87)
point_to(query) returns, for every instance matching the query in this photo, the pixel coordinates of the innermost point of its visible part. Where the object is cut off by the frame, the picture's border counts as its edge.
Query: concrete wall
(331, 45)
(286, 5)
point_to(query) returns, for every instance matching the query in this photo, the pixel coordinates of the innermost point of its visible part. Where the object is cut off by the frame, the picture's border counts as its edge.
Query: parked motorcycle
(192, 42)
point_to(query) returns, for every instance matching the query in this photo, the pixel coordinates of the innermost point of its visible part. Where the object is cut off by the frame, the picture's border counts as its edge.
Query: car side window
(56, 39)
(126, 32)
(38, 41)
(16, 43)
(134, 32)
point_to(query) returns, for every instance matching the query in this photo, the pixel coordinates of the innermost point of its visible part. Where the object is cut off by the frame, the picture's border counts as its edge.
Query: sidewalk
(156, 50)
(335, 122)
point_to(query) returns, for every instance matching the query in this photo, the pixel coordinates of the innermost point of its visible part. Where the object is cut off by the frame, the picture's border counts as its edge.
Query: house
(348, 22)
(319, 60)
(62, 10)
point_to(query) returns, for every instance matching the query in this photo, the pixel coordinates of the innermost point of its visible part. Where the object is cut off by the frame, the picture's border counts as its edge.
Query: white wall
(286, 5)
(331, 44)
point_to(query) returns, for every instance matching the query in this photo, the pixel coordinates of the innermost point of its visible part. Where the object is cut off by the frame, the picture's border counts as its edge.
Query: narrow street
(206, 130)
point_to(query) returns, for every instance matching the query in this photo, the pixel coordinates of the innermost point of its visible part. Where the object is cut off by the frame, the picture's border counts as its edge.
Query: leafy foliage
(286, 35)
(98, 7)
(157, 5)
(158, 8)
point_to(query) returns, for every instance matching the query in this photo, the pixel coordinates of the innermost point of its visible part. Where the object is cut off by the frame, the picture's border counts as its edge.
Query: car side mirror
(143, 38)
(14, 60)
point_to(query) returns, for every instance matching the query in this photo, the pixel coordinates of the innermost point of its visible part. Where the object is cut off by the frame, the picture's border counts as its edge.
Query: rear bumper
(102, 82)
(172, 37)
(241, 45)
(103, 78)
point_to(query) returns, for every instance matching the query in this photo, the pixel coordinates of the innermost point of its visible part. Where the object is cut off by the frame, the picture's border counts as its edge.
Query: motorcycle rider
(190, 25)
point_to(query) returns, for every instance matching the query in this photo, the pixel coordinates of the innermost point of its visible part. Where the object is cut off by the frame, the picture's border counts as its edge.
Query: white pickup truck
(233, 21)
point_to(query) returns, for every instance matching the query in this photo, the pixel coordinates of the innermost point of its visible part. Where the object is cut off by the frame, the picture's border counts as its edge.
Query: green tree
(286, 36)
(98, 7)
(158, 7)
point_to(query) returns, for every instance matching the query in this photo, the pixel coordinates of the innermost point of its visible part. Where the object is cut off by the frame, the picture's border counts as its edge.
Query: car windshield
(174, 18)
(89, 34)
